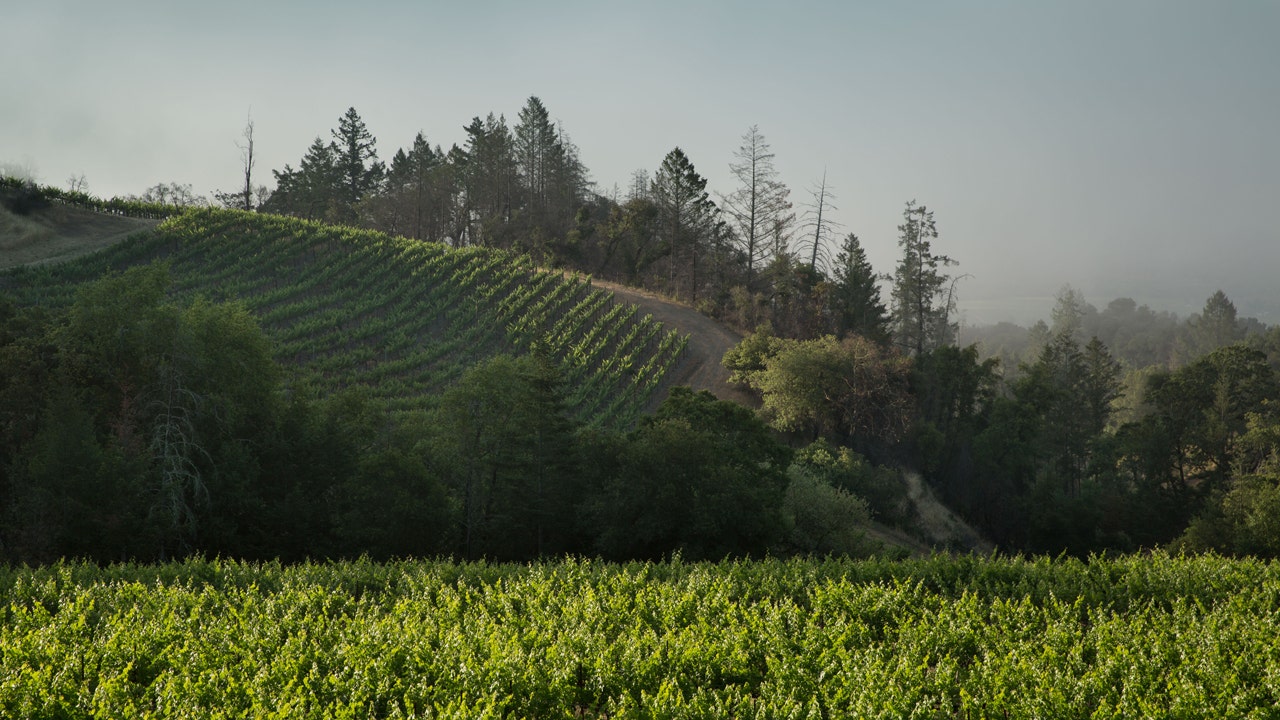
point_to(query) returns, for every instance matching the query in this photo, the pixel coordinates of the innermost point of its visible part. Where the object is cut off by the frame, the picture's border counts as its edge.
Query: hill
(352, 308)
(60, 232)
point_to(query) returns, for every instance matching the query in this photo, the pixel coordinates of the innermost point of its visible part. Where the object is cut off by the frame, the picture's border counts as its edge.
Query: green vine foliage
(942, 637)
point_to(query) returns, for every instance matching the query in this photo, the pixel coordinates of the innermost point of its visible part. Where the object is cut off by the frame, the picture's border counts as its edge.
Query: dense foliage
(1136, 637)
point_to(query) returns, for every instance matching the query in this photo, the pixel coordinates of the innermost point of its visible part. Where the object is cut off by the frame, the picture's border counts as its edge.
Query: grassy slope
(399, 317)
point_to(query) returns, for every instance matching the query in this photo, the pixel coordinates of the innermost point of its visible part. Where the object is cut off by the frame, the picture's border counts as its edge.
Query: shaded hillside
(60, 232)
(401, 318)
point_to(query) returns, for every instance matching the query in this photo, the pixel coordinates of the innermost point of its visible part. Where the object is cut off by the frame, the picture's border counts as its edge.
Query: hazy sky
(1124, 148)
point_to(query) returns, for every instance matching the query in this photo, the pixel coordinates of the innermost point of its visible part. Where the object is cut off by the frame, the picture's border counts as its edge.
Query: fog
(1124, 149)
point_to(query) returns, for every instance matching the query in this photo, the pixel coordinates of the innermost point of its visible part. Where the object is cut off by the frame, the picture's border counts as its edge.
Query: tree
(1069, 313)
(686, 219)
(1216, 326)
(922, 297)
(834, 388)
(503, 441)
(701, 476)
(172, 193)
(818, 221)
(758, 210)
(356, 164)
(147, 405)
(855, 299)
(419, 193)
(310, 192)
(488, 170)
(244, 198)
(538, 152)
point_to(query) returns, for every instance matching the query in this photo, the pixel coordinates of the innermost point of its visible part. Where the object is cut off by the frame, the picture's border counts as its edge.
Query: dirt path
(60, 232)
(700, 368)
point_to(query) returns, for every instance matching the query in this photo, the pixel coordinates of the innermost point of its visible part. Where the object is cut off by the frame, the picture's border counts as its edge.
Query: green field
(401, 318)
(943, 637)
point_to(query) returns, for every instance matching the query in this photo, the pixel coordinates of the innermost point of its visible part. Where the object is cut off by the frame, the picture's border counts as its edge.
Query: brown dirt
(700, 367)
(61, 232)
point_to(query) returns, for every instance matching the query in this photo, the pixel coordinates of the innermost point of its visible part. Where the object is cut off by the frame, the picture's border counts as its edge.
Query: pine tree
(356, 161)
(922, 298)
(687, 218)
(855, 299)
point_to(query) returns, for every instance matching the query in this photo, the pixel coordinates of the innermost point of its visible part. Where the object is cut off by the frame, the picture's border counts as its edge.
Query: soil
(700, 367)
(60, 232)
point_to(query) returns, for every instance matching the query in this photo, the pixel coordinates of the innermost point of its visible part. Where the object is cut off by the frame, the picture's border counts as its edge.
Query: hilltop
(346, 307)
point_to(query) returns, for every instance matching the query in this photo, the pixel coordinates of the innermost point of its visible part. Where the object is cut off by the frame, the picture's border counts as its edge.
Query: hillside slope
(399, 318)
(61, 232)
(272, 264)
(709, 340)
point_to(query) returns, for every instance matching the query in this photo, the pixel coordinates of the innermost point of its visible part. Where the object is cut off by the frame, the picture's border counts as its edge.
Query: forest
(135, 426)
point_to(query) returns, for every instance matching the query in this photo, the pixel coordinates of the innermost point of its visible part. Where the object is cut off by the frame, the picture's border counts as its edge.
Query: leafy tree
(1244, 518)
(1200, 410)
(823, 519)
(702, 476)
(503, 442)
(922, 297)
(171, 194)
(855, 297)
(879, 487)
(834, 388)
(147, 405)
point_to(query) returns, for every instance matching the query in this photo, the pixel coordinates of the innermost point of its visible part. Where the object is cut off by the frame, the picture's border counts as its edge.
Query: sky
(1125, 148)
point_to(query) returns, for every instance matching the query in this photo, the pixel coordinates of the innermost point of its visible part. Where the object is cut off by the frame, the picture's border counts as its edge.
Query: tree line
(748, 257)
(1067, 451)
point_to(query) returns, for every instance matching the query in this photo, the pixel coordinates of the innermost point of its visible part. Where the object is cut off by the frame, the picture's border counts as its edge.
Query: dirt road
(700, 368)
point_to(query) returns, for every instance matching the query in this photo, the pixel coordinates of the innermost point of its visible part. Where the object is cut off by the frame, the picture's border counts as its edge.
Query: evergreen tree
(1216, 326)
(538, 152)
(922, 298)
(488, 169)
(855, 300)
(687, 218)
(356, 163)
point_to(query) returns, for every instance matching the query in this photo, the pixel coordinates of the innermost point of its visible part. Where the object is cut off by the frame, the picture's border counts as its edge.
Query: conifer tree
(686, 221)
(758, 210)
(922, 301)
(855, 299)
(356, 162)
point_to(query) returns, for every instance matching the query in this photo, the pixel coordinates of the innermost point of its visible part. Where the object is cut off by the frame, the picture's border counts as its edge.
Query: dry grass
(18, 232)
(59, 232)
